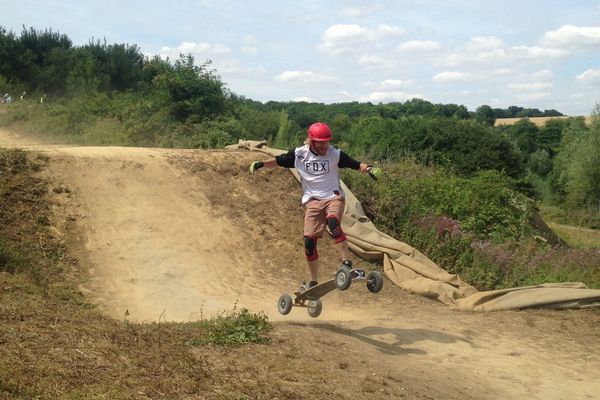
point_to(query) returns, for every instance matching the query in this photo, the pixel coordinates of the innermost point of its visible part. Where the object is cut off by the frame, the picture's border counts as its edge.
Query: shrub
(487, 204)
(476, 227)
(232, 329)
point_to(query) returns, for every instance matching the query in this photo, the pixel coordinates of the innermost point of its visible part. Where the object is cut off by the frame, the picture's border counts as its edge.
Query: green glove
(256, 165)
(375, 172)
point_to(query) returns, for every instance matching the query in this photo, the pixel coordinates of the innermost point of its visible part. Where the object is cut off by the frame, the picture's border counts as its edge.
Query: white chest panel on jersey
(320, 174)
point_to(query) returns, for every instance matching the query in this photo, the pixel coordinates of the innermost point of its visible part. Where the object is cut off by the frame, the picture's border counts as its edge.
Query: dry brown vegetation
(56, 344)
(539, 121)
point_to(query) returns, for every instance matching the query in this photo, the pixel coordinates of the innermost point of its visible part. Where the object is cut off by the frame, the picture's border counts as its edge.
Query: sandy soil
(182, 234)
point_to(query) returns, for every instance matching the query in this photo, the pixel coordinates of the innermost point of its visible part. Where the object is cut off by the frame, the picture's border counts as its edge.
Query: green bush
(476, 227)
(232, 329)
(487, 204)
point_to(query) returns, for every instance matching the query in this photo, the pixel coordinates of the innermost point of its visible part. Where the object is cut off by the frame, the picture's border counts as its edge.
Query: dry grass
(54, 344)
(539, 121)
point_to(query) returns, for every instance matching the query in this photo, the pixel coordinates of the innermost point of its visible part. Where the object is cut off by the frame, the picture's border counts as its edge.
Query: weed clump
(233, 329)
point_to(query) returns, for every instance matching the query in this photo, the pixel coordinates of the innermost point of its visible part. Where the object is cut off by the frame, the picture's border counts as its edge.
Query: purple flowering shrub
(476, 227)
(488, 265)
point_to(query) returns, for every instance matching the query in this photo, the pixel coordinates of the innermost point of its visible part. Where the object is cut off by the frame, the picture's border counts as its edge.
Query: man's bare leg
(344, 250)
(313, 267)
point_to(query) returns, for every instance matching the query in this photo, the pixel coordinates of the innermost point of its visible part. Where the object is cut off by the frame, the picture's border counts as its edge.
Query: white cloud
(542, 74)
(418, 46)
(532, 97)
(483, 43)
(384, 30)
(302, 98)
(343, 38)
(530, 86)
(450, 76)
(393, 84)
(479, 49)
(235, 67)
(250, 40)
(536, 52)
(502, 72)
(386, 97)
(194, 49)
(359, 11)
(303, 77)
(375, 61)
(249, 51)
(250, 46)
(339, 37)
(573, 36)
(589, 76)
(492, 50)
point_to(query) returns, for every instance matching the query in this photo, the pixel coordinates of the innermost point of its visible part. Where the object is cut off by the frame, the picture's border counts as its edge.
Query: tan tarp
(415, 273)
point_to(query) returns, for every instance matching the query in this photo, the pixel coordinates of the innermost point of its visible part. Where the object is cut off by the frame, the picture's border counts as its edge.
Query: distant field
(577, 236)
(539, 121)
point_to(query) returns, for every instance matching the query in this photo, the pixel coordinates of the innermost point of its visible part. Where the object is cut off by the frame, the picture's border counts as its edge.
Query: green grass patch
(577, 236)
(233, 328)
(581, 217)
(10, 261)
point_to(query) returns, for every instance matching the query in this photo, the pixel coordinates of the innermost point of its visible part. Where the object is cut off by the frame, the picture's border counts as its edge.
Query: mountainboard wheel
(314, 308)
(343, 278)
(374, 281)
(284, 305)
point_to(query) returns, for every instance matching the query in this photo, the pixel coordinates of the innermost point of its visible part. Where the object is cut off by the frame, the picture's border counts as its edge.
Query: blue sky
(529, 53)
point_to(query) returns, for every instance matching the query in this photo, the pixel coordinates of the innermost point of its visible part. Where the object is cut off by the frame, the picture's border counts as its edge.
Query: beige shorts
(317, 211)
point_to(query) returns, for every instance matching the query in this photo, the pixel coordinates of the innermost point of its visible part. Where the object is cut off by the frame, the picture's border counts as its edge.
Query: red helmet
(319, 132)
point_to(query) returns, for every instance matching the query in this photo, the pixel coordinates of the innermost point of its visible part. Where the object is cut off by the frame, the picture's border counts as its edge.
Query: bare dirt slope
(182, 234)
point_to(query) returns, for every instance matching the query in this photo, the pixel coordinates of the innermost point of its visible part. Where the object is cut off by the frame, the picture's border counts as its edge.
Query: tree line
(114, 93)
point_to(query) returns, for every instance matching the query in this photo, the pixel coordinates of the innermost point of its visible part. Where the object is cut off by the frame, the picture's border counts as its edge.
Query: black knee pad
(335, 229)
(310, 248)
(333, 224)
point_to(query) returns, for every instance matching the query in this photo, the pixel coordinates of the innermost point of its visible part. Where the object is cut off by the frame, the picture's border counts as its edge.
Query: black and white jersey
(320, 176)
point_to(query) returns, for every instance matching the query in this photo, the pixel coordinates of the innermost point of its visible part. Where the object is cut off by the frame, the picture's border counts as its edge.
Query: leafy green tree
(576, 173)
(8, 54)
(289, 133)
(341, 125)
(512, 111)
(485, 115)
(550, 135)
(525, 134)
(540, 163)
(154, 68)
(583, 169)
(85, 75)
(552, 113)
(465, 146)
(374, 137)
(124, 66)
(450, 111)
(196, 93)
(258, 125)
(500, 113)
(36, 59)
(529, 112)
(461, 112)
(418, 107)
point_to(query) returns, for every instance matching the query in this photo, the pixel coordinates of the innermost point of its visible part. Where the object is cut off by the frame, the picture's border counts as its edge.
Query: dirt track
(180, 234)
